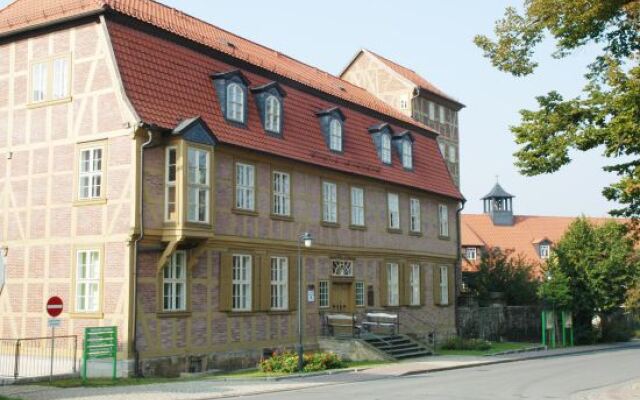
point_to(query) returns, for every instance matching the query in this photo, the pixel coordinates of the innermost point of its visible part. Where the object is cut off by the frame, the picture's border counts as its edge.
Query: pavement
(212, 388)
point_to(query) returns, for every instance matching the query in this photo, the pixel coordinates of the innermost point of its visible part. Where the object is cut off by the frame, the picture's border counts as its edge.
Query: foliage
(287, 362)
(458, 343)
(632, 303)
(502, 271)
(590, 270)
(607, 116)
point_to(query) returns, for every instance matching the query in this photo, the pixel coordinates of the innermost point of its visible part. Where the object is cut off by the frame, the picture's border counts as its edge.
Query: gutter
(459, 256)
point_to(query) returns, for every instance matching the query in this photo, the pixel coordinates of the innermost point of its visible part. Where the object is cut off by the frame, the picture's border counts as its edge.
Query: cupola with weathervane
(498, 204)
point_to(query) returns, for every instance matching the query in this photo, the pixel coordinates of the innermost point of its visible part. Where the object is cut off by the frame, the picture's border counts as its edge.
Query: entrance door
(342, 297)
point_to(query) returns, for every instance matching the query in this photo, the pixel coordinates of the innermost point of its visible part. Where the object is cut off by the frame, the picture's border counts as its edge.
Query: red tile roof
(167, 82)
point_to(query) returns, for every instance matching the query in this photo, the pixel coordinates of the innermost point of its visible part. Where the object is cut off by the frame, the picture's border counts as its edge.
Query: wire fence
(38, 357)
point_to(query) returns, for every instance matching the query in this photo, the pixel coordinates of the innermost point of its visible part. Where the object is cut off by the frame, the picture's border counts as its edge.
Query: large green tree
(606, 116)
(591, 270)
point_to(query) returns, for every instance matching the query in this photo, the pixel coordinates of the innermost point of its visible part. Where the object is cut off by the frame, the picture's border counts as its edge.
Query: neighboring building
(530, 236)
(156, 173)
(412, 95)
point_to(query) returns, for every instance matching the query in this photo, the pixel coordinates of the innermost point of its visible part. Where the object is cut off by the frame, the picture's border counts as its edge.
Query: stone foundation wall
(517, 323)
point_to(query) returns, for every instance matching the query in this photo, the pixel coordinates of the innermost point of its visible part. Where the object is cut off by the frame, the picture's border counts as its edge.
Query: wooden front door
(342, 297)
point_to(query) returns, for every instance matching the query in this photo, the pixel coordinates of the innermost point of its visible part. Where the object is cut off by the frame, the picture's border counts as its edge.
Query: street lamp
(307, 240)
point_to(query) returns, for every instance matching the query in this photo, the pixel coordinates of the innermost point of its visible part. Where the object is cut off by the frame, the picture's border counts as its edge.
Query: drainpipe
(136, 354)
(459, 257)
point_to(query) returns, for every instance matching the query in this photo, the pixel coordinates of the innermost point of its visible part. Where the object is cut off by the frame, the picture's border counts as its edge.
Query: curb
(287, 377)
(534, 356)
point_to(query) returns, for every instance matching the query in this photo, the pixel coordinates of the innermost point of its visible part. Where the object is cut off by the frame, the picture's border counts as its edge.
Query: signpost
(54, 308)
(99, 342)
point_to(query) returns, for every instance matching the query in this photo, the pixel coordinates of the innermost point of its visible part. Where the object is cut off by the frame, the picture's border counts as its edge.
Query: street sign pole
(53, 342)
(54, 308)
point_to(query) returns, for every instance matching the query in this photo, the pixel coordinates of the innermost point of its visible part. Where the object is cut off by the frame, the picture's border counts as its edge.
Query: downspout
(459, 257)
(136, 354)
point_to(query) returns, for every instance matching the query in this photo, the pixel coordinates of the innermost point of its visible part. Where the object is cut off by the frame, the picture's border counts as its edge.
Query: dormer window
(231, 88)
(272, 114)
(382, 135)
(544, 250)
(270, 100)
(407, 154)
(335, 135)
(385, 148)
(332, 125)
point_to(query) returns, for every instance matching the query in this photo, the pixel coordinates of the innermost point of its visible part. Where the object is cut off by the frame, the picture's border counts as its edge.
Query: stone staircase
(397, 346)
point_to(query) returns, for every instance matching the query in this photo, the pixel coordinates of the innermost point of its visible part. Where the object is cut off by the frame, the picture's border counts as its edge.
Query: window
(404, 104)
(170, 184)
(342, 268)
(452, 153)
(281, 194)
(471, 253)
(386, 148)
(335, 135)
(441, 114)
(414, 206)
(407, 154)
(50, 79)
(357, 206)
(432, 111)
(393, 297)
(279, 283)
(444, 285)
(443, 149)
(235, 102)
(359, 294)
(393, 211)
(88, 281)
(443, 219)
(198, 185)
(245, 186)
(272, 114)
(329, 202)
(414, 283)
(323, 294)
(545, 250)
(90, 179)
(241, 283)
(174, 283)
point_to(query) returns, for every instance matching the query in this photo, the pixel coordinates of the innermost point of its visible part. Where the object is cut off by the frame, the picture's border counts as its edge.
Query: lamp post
(307, 240)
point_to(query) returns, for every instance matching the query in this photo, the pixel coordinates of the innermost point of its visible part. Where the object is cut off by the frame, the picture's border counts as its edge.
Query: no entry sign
(54, 306)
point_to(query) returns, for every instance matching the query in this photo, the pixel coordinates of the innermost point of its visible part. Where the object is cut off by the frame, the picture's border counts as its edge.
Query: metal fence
(32, 358)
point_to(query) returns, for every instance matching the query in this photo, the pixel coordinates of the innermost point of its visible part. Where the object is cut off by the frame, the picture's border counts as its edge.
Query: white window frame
(92, 173)
(407, 154)
(471, 253)
(272, 114)
(415, 223)
(393, 284)
(357, 206)
(544, 251)
(452, 153)
(385, 148)
(197, 185)
(330, 202)
(279, 283)
(53, 82)
(323, 294)
(174, 282)
(393, 210)
(245, 186)
(335, 135)
(235, 102)
(359, 293)
(281, 189)
(170, 184)
(88, 278)
(241, 284)
(443, 220)
(414, 284)
(444, 285)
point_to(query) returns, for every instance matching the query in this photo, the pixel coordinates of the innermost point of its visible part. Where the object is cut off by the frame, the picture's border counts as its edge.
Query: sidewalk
(210, 388)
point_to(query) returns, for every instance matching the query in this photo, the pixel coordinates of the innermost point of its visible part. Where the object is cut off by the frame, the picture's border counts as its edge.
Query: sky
(434, 38)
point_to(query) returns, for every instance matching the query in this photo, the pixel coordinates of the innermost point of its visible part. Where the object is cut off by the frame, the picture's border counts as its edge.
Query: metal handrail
(430, 326)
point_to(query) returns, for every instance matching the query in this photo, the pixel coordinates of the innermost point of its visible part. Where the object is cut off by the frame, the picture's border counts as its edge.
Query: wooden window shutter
(264, 282)
(404, 288)
(451, 284)
(384, 284)
(225, 282)
(436, 285)
(256, 271)
(293, 283)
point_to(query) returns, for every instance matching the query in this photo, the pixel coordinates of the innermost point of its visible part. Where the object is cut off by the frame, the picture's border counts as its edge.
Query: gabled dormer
(270, 103)
(382, 135)
(332, 125)
(232, 90)
(403, 144)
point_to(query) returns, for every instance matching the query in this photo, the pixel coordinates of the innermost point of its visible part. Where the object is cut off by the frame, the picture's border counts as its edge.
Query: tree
(590, 271)
(607, 116)
(502, 271)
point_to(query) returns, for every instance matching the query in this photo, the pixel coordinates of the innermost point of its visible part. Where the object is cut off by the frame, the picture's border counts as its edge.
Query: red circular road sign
(54, 306)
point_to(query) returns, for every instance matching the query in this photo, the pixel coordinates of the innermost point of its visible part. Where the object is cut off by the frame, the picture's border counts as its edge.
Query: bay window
(198, 185)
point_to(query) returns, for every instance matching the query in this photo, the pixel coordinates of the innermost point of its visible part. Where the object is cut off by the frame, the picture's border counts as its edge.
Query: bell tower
(498, 204)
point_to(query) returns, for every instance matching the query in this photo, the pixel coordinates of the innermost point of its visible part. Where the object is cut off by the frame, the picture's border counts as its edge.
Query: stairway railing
(430, 335)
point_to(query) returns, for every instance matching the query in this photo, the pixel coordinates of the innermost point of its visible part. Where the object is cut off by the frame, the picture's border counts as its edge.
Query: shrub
(458, 343)
(287, 362)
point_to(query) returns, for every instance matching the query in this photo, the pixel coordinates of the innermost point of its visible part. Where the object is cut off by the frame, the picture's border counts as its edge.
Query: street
(600, 375)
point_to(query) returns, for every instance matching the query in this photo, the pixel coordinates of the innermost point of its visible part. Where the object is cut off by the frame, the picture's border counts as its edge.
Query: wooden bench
(341, 325)
(380, 322)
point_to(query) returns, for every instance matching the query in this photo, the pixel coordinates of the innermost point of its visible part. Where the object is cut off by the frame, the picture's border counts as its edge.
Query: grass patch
(8, 398)
(108, 382)
(256, 373)
(496, 347)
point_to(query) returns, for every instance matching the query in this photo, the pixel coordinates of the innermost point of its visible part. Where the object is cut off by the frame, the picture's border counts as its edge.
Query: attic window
(270, 102)
(335, 135)
(382, 135)
(231, 88)
(332, 124)
(235, 102)
(385, 149)
(544, 250)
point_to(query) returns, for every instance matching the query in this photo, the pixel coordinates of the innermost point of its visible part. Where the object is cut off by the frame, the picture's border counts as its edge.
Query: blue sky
(434, 38)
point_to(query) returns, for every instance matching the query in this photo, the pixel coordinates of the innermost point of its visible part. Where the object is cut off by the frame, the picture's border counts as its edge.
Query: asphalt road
(588, 376)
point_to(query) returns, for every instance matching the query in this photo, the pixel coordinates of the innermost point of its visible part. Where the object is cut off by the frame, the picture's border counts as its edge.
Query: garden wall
(499, 323)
